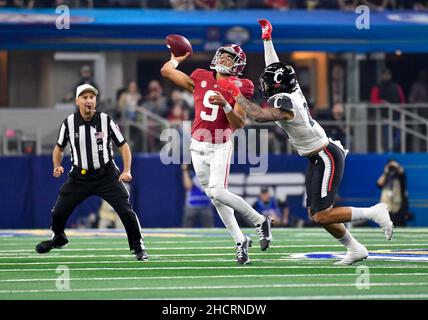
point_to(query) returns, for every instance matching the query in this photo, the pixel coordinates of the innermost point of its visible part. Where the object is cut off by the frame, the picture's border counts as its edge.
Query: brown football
(178, 45)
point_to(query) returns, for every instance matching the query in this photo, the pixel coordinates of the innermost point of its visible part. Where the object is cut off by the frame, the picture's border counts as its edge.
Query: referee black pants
(104, 184)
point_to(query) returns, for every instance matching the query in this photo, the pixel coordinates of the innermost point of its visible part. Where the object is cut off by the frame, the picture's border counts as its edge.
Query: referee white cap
(85, 87)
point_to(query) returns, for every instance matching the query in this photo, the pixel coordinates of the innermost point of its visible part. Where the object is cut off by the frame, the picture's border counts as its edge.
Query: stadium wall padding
(28, 190)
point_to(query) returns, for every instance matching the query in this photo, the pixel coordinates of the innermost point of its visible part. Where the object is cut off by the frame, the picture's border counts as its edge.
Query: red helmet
(239, 60)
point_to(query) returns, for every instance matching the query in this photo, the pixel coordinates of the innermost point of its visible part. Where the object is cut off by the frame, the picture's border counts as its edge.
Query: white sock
(238, 204)
(360, 213)
(270, 54)
(142, 243)
(229, 220)
(348, 240)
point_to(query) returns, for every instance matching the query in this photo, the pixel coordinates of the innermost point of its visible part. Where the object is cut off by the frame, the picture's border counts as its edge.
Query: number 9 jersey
(210, 123)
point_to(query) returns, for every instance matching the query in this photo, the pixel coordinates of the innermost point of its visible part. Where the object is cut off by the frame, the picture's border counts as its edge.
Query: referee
(94, 172)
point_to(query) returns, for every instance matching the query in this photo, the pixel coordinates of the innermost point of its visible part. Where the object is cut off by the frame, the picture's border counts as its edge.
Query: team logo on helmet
(277, 78)
(278, 75)
(239, 60)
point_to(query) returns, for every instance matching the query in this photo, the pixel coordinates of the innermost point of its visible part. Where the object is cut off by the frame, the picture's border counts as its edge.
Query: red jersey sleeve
(196, 74)
(247, 88)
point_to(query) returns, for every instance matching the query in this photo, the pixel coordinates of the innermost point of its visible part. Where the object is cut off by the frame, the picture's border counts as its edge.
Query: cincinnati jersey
(304, 133)
(210, 123)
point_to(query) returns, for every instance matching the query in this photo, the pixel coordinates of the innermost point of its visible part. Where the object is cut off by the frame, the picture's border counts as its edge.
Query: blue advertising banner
(28, 190)
(319, 30)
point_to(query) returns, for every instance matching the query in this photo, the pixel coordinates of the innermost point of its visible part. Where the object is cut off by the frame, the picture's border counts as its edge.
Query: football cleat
(264, 233)
(379, 213)
(353, 255)
(242, 251)
(141, 255)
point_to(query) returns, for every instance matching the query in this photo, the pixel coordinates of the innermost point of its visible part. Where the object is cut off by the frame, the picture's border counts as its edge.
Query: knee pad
(212, 194)
(216, 194)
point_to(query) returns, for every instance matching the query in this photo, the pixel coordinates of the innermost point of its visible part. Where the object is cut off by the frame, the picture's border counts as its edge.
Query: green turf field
(200, 264)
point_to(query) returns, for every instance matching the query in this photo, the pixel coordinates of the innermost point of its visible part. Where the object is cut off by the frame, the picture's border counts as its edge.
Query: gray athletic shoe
(242, 251)
(264, 233)
(141, 255)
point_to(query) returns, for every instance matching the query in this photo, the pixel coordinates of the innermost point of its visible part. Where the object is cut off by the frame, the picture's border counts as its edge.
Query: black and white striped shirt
(90, 141)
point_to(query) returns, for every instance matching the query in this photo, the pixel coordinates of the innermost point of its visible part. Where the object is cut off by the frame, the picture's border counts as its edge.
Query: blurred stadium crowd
(222, 4)
(176, 106)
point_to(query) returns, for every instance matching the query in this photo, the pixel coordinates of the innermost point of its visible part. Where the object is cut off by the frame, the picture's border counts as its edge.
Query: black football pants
(106, 185)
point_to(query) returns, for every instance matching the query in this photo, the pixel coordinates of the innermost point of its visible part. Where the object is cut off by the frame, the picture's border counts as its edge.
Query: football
(178, 45)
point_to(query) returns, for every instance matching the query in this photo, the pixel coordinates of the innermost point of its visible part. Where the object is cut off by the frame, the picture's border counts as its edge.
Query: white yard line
(43, 257)
(221, 287)
(130, 260)
(227, 241)
(144, 267)
(4, 252)
(305, 275)
(318, 297)
(152, 261)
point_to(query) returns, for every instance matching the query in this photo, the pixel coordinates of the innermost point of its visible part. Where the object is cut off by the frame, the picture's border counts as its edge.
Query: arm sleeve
(270, 53)
(115, 133)
(62, 136)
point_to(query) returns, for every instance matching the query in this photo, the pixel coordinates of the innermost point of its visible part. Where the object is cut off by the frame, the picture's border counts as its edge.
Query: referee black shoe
(141, 254)
(264, 233)
(57, 242)
(242, 251)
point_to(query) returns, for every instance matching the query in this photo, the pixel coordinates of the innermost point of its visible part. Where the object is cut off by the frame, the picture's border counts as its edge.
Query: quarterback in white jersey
(289, 110)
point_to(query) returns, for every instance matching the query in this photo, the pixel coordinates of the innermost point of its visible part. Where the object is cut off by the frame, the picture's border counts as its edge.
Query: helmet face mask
(238, 62)
(277, 78)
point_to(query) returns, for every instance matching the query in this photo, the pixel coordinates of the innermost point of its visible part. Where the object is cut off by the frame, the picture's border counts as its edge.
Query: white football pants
(212, 165)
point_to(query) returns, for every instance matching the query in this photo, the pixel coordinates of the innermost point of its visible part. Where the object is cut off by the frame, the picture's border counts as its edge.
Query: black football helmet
(278, 77)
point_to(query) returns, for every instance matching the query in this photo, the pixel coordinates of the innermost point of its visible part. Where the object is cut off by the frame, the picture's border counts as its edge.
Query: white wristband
(227, 108)
(174, 63)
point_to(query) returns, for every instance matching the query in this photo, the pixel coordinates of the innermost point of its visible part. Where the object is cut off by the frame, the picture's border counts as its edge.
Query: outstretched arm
(169, 71)
(259, 114)
(270, 53)
(253, 110)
